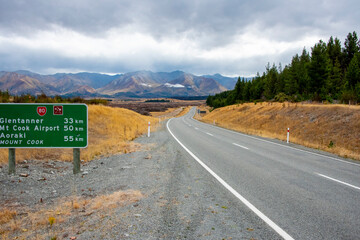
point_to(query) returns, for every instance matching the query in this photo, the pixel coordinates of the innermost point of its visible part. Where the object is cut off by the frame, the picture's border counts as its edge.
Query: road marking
(241, 146)
(267, 220)
(209, 134)
(196, 128)
(335, 180)
(296, 149)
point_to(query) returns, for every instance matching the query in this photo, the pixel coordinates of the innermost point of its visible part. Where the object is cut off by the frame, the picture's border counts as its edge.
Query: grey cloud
(207, 23)
(41, 62)
(89, 17)
(212, 21)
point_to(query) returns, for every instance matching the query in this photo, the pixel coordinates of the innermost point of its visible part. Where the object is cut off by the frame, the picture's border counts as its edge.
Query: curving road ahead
(299, 193)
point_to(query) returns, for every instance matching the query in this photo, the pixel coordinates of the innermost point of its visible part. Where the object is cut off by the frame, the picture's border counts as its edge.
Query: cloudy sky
(231, 37)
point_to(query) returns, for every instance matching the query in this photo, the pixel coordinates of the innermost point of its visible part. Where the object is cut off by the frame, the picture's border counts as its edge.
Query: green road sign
(43, 125)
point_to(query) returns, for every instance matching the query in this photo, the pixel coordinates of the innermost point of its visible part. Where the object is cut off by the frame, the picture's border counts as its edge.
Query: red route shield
(41, 111)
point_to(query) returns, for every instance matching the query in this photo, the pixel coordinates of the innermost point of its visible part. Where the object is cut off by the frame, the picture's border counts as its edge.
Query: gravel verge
(164, 194)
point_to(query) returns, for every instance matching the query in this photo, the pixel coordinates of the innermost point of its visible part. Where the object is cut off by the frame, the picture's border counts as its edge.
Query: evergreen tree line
(331, 72)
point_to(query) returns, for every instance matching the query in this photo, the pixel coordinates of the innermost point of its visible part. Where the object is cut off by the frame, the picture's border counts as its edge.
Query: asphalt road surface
(297, 192)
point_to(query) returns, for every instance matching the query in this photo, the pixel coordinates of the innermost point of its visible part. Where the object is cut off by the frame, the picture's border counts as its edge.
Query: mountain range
(133, 84)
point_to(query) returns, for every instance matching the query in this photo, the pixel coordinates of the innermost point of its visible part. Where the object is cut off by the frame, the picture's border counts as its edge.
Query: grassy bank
(110, 131)
(333, 128)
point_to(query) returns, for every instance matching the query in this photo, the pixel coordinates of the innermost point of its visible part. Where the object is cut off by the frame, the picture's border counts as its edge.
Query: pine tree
(352, 46)
(238, 89)
(303, 74)
(319, 68)
(257, 87)
(246, 93)
(334, 50)
(292, 79)
(270, 81)
(335, 83)
(353, 72)
(280, 83)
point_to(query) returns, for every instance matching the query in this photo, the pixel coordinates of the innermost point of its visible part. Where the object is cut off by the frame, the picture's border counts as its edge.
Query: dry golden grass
(171, 112)
(7, 215)
(53, 220)
(184, 111)
(312, 125)
(163, 114)
(110, 131)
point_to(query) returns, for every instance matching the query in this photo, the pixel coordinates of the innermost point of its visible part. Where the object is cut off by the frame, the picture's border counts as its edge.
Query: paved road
(299, 193)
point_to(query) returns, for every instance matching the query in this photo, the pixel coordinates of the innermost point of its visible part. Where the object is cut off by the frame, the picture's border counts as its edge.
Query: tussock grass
(6, 215)
(110, 131)
(68, 215)
(333, 128)
(171, 112)
(163, 114)
(184, 111)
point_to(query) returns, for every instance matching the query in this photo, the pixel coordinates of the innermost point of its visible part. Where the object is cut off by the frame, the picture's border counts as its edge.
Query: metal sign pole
(11, 160)
(76, 160)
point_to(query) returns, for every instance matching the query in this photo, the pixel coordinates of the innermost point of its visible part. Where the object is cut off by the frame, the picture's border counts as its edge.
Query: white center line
(273, 225)
(241, 146)
(196, 128)
(209, 134)
(335, 180)
(278, 144)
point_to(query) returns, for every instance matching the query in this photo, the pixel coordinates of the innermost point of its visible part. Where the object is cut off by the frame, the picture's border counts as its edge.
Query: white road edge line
(241, 146)
(335, 180)
(263, 140)
(267, 220)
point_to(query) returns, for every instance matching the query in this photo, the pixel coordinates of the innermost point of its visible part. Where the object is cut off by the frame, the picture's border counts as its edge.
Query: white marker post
(288, 135)
(149, 130)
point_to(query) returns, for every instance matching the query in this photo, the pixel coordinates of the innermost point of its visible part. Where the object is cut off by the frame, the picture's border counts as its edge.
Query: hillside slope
(333, 128)
(134, 84)
(149, 84)
(110, 131)
(18, 84)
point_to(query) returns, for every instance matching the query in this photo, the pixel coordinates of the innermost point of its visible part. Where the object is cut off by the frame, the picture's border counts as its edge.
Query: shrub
(282, 97)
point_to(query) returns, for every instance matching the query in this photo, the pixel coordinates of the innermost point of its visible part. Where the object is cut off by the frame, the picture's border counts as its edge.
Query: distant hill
(149, 84)
(18, 84)
(94, 80)
(228, 82)
(133, 84)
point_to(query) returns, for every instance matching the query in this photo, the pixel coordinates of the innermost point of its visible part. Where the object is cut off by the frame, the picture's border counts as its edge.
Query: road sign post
(42, 126)
(76, 160)
(288, 135)
(11, 160)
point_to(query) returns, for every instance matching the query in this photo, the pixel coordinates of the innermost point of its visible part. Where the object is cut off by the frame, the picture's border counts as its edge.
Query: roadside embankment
(332, 128)
(110, 130)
